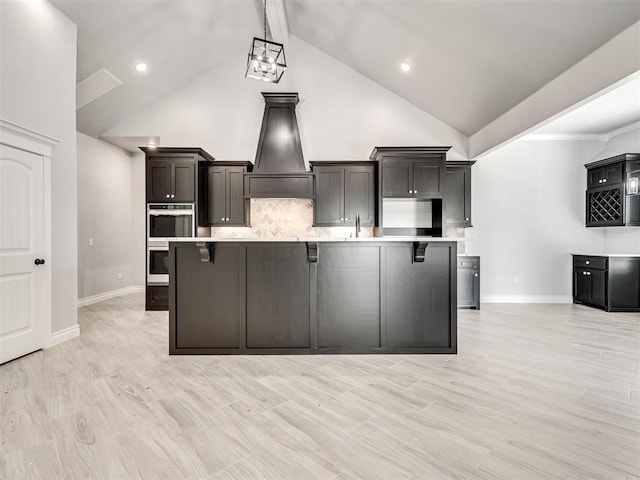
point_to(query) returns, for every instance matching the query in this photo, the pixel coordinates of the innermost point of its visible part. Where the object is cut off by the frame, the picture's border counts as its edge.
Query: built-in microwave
(158, 265)
(169, 220)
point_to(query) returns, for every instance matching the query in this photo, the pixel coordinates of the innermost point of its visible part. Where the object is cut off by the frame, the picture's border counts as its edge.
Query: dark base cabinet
(609, 283)
(157, 298)
(419, 297)
(469, 282)
(348, 297)
(305, 297)
(277, 295)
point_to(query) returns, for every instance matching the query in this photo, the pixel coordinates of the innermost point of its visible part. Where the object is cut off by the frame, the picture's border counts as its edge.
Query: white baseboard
(526, 299)
(62, 336)
(101, 297)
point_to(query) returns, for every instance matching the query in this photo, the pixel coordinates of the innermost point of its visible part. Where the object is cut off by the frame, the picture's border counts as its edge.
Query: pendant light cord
(265, 19)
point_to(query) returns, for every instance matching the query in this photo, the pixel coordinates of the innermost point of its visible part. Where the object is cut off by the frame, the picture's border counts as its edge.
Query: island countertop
(606, 254)
(316, 239)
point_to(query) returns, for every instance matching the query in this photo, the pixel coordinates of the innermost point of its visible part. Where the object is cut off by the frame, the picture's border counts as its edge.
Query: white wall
(105, 210)
(341, 114)
(528, 216)
(37, 91)
(138, 219)
(621, 239)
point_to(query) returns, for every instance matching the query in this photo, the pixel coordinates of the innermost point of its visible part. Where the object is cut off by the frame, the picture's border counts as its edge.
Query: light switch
(91, 242)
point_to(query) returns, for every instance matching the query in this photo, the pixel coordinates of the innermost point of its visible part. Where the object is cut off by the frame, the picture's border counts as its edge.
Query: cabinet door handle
(587, 262)
(476, 275)
(467, 219)
(604, 180)
(173, 196)
(227, 219)
(346, 219)
(39, 261)
(168, 196)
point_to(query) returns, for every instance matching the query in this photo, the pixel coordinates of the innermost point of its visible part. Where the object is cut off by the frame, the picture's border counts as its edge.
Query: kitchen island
(312, 295)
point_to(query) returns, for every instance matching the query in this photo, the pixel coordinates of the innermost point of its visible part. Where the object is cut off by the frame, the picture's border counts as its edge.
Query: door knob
(39, 261)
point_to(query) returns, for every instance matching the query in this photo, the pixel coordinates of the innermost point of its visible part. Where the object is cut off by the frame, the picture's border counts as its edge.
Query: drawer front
(157, 297)
(468, 262)
(598, 263)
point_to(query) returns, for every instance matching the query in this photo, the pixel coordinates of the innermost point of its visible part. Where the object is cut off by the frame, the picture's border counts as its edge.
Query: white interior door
(23, 319)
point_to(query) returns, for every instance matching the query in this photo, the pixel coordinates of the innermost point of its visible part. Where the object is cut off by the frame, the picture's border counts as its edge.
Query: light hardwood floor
(536, 392)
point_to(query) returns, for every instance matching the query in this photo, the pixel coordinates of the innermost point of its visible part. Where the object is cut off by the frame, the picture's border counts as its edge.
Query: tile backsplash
(285, 217)
(293, 217)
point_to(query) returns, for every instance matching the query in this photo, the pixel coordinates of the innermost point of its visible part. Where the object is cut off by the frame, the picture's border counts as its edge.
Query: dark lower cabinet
(418, 297)
(348, 297)
(277, 296)
(608, 282)
(213, 320)
(469, 282)
(157, 297)
(324, 297)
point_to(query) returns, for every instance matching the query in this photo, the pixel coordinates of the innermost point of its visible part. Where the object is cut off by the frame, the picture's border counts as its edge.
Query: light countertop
(316, 239)
(607, 254)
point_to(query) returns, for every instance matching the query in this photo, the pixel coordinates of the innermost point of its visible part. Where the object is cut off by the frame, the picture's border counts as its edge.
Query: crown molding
(622, 130)
(567, 137)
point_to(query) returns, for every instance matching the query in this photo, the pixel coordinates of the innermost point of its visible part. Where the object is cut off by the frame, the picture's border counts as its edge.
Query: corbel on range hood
(278, 170)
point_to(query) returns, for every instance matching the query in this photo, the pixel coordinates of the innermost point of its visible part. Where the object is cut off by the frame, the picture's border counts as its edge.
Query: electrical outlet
(516, 280)
(119, 276)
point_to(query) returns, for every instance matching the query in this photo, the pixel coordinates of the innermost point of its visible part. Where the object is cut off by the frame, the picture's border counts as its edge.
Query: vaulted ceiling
(472, 60)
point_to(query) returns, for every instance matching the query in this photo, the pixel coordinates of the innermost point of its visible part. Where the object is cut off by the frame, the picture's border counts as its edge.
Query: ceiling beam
(277, 18)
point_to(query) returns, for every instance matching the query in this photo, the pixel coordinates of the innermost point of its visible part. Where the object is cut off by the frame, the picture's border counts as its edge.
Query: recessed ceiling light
(405, 67)
(141, 67)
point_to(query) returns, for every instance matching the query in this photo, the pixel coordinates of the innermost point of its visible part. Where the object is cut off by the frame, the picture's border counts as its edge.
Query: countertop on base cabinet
(308, 297)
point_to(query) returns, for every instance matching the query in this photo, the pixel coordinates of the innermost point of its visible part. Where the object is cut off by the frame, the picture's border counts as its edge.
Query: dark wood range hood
(279, 170)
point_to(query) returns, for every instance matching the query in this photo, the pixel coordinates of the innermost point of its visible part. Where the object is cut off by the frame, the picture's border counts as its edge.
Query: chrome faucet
(357, 225)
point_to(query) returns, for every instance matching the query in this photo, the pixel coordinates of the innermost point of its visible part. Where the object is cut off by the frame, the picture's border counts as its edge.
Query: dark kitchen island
(309, 296)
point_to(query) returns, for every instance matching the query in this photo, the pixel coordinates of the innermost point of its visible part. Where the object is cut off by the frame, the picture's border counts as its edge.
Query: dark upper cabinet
(397, 178)
(178, 175)
(607, 174)
(344, 189)
(227, 205)
(411, 172)
(171, 180)
(172, 174)
(608, 199)
(407, 178)
(359, 194)
(457, 194)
